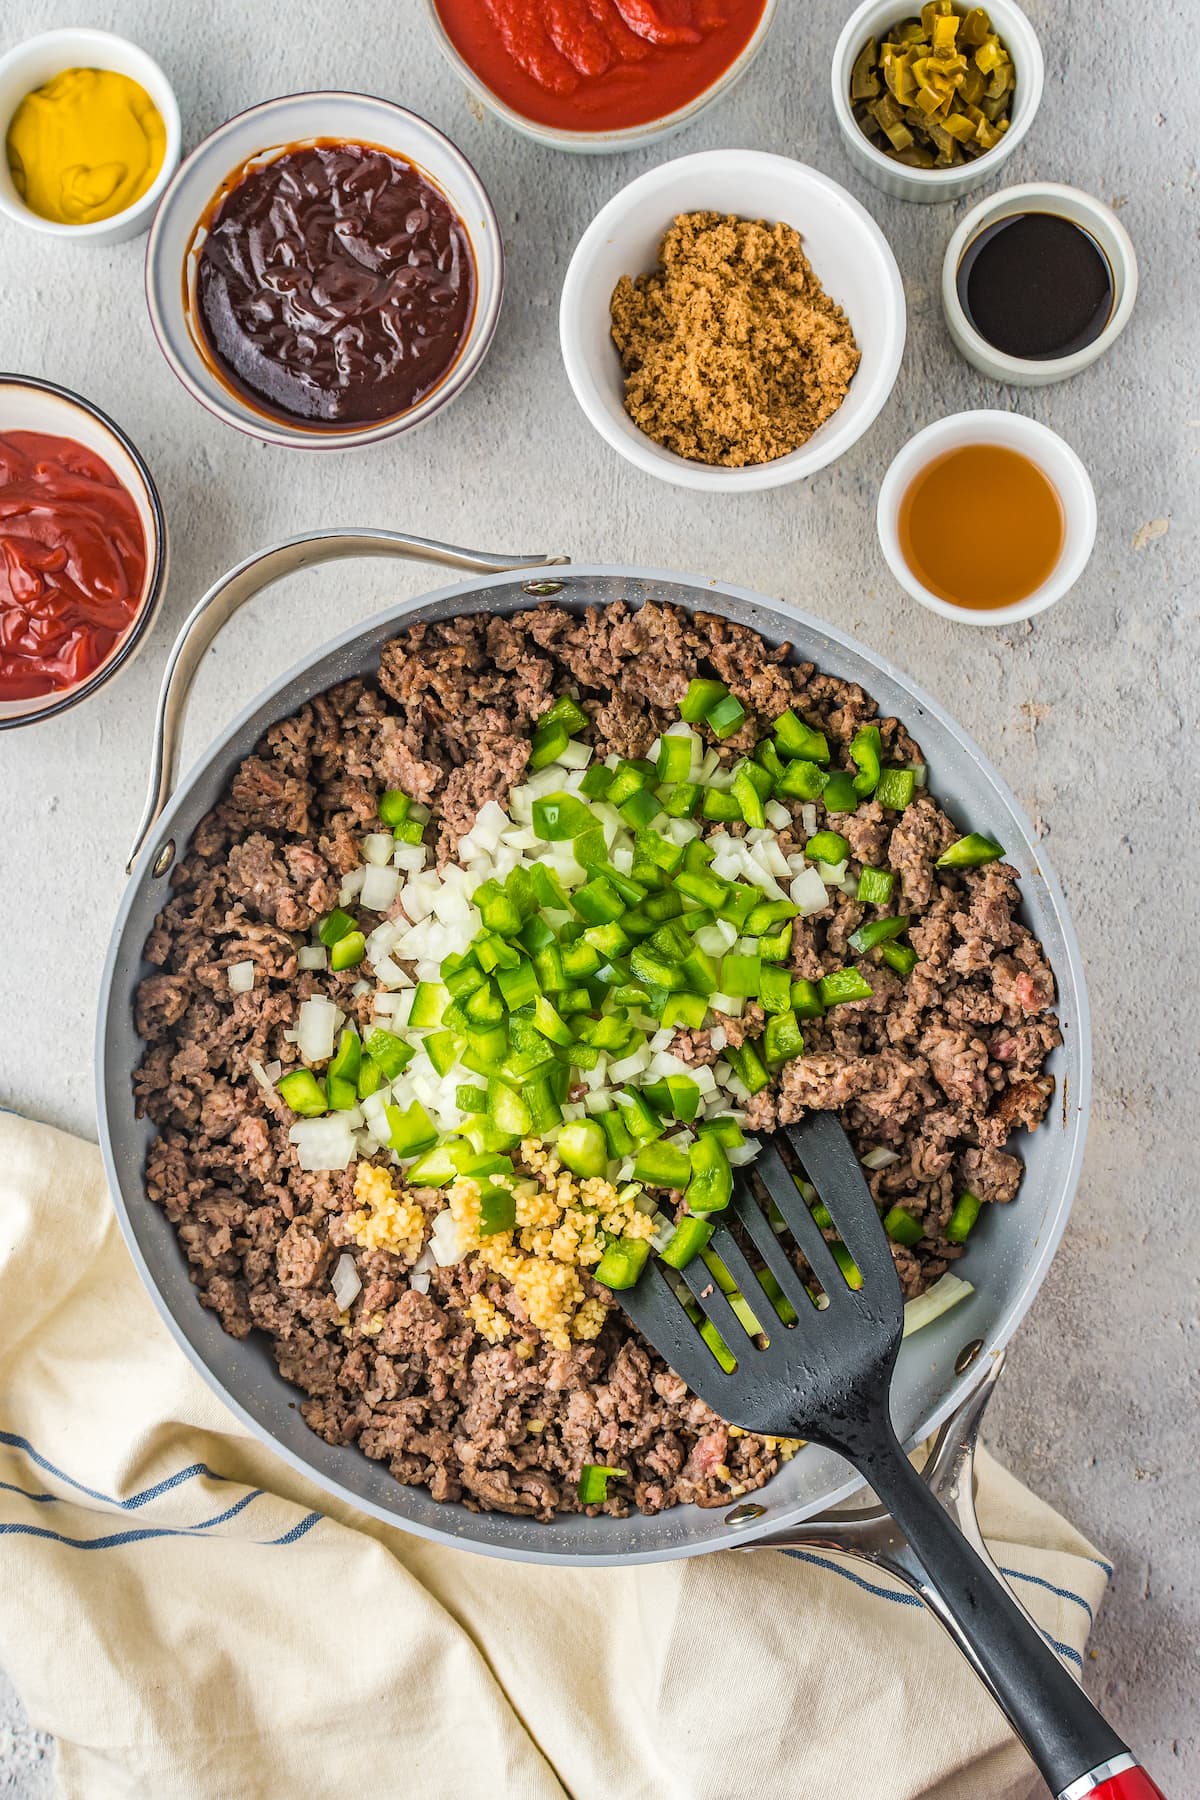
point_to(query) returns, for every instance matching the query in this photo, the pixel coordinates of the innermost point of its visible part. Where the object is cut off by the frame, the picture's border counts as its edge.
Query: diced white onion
(777, 815)
(920, 773)
(629, 1066)
(267, 1074)
(446, 1241)
(490, 825)
(925, 1308)
(241, 976)
(808, 892)
(575, 755)
(312, 956)
(808, 817)
(732, 1005)
(419, 894)
(389, 974)
(409, 857)
(346, 1282)
(381, 883)
(419, 1280)
(741, 1154)
(377, 847)
(326, 1143)
(316, 1023)
(879, 1158)
(832, 874)
(351, 886)
(718, 1037)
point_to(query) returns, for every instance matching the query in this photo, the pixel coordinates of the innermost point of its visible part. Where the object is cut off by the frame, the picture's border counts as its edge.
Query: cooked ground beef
(940, 1068)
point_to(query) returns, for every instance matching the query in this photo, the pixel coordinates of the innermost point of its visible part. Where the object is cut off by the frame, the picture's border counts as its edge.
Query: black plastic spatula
(827, 1377)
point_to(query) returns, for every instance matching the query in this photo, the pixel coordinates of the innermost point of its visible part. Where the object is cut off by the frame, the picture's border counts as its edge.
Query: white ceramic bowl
(632, 137)
(1057, 461)
(29, 404)
(1069, 203)
(276, 125)
(871, 20)
(846, 248)
(37, 60)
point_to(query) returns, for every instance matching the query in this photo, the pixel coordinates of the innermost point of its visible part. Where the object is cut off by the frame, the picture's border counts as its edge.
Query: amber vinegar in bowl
(987, 517)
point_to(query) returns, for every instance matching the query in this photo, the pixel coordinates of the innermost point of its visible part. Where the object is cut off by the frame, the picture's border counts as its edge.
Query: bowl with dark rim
(254, 139)
(27, 403)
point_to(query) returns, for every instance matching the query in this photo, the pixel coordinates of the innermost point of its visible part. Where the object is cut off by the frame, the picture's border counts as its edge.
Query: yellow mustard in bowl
(85, 146)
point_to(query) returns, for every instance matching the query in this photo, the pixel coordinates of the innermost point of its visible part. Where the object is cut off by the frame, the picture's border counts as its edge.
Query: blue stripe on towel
(114, 1539)
(8, 1487)
(117, 1539)
(908, 1599)
(1063, 1593)
(868, 1587)
(135, 1500)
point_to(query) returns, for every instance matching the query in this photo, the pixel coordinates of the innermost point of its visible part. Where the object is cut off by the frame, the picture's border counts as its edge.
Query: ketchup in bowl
(72, 563)
(599, 65)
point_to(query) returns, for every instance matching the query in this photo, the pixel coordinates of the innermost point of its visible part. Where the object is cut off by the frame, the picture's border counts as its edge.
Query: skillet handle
(1076, 1750)
(245, 581)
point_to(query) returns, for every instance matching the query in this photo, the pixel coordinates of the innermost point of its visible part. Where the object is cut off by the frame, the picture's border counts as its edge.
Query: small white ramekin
(29, 404)
(871, 20)
(1057, 461)
(272, 127)
(632, 137)
(38, 60)
(849, 254)
(1069, 203)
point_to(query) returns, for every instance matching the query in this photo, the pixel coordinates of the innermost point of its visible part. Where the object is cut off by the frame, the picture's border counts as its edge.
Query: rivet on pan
(164, 859)
(967, 1355)
(745, 1514)
(540, 588)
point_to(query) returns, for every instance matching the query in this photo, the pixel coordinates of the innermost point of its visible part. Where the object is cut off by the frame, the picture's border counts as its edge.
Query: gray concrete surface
(1089, 713)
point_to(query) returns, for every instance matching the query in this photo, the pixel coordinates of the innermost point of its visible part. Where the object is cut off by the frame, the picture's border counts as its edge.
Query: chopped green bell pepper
(662, 1165)
(394, 806)
(794, 738)
(303, 1093)
(896, 789)
(842, 985)
(687, 1241)
(622, 1262)
(866, 750)
(877, 931)
(970, 852)
(966, 1210)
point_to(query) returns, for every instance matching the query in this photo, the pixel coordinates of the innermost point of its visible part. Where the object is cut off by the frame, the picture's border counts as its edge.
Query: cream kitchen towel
(193, 1621)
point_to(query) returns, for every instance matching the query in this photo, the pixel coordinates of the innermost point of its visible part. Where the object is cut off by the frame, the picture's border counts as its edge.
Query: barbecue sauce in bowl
(333, 285)
(1037, 286)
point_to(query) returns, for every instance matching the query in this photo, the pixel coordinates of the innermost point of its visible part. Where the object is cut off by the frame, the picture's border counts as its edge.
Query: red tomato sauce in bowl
(599, 65)
(73, 562)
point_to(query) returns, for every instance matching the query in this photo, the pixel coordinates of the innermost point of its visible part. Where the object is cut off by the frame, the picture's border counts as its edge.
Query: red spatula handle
(1127, 1782)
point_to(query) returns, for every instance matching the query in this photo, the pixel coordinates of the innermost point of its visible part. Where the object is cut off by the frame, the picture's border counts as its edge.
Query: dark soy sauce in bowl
(1036, 286)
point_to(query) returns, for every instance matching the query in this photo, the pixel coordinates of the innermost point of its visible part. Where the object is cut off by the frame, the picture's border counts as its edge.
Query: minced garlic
(559, 1231)
(384, 1221)
(487, 1321)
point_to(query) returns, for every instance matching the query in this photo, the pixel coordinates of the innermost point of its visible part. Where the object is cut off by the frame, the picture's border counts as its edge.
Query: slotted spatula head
(824, 1366)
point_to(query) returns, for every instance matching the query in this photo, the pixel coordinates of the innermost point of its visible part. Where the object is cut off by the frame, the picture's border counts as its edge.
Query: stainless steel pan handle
(248, 579)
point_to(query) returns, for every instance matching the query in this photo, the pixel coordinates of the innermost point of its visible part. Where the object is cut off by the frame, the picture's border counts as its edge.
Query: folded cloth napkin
(192, 1619)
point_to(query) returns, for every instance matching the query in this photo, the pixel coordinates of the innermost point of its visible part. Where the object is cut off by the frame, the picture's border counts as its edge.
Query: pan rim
(788, 620)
